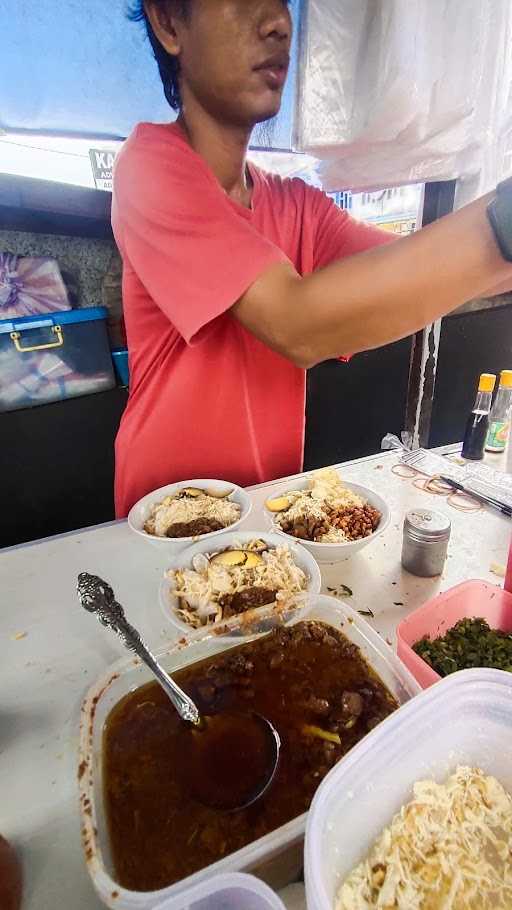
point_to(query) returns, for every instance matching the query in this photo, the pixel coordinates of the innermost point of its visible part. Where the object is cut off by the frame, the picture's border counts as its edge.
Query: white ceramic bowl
(336, 552)
(139, 513)
(169, 603)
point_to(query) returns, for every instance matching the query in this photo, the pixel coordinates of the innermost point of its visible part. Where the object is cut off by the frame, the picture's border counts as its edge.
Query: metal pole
(438, 201)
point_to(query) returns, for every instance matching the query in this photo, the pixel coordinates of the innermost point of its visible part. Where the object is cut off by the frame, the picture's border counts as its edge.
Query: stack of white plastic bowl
(227, 892)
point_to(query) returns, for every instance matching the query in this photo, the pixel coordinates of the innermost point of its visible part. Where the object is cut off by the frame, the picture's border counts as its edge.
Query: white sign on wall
(102, 162)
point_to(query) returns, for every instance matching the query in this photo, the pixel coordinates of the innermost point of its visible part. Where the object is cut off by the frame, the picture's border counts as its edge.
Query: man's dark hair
(168, 65)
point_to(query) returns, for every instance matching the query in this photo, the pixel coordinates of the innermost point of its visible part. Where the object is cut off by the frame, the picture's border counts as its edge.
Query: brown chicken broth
(306, 676)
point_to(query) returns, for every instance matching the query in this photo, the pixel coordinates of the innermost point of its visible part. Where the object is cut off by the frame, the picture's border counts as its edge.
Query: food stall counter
(53, 651)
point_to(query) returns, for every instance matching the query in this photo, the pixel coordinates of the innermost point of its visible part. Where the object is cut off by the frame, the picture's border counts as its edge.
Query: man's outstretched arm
(378, 296)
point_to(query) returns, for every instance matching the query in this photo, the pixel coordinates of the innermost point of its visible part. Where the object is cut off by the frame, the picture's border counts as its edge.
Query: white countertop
(52, 651)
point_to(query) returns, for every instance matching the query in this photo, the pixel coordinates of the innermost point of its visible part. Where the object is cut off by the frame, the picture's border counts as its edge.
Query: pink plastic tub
(470, 599)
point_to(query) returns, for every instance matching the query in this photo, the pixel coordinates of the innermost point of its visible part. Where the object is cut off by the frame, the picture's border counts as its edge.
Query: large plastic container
(227, 892)
(54, 356)
(465, 719)
(277, 858)
(471, 599)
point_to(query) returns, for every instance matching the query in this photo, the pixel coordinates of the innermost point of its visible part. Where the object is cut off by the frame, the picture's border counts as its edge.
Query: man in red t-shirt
(235, 281)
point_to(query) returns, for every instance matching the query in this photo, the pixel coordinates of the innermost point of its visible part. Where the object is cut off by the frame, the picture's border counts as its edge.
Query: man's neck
(224, 148)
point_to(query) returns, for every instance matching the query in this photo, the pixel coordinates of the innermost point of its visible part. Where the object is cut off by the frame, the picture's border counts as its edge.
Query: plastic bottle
(478, 421)
(499, 418)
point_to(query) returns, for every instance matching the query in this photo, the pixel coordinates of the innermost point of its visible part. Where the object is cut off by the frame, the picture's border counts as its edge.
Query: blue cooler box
(121, 367)
(54, 356)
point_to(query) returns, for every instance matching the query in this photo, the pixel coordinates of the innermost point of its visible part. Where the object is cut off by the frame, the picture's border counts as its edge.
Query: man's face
(234, 57)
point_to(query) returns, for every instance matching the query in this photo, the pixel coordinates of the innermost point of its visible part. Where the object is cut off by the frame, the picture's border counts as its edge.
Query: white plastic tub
(464, 719)
(277, 857)
(227, 892)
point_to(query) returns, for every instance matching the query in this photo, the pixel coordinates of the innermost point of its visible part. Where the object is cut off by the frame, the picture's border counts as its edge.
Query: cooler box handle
(56, 329)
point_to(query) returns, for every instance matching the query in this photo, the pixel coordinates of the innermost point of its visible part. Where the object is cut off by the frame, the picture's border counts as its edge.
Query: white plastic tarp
(402, 91)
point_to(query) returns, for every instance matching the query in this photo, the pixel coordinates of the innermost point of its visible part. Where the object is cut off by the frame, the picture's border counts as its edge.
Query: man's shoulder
(293, 187)
(153, 138)
(291, 192)
(156, 151)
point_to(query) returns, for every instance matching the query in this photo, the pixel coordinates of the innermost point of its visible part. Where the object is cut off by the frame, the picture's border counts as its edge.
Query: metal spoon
(234, 756)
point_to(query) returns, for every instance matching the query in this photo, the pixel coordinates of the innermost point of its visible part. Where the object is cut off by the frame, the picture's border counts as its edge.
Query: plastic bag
(392, 443)
(30, 286)
(404, 91)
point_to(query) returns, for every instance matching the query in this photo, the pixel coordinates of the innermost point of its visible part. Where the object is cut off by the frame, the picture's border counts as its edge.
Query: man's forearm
(379, 296)
(504, 287)
(390, 292)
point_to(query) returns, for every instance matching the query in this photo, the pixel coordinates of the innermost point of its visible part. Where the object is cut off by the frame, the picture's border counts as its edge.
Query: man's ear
(164, 26)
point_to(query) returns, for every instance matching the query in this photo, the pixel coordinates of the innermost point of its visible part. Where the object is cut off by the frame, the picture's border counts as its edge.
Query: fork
(412, 458)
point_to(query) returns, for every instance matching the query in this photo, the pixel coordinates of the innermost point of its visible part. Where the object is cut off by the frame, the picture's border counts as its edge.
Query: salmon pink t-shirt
(207, 399)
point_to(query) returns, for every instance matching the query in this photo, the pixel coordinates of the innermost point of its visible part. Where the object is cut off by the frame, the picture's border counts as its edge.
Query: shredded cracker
(497, 569)
(184, 510)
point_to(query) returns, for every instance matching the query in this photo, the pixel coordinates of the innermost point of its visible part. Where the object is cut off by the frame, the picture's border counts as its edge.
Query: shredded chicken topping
(450, 848)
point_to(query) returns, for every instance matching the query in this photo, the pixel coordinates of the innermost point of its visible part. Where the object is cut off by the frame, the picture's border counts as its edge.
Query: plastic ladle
(228, 759)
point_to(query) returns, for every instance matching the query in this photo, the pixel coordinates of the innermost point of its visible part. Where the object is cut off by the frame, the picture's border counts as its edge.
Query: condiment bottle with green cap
(499, 418)
(478, 421)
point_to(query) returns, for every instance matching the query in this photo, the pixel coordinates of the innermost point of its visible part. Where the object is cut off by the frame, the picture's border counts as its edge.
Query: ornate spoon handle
(96, 596)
